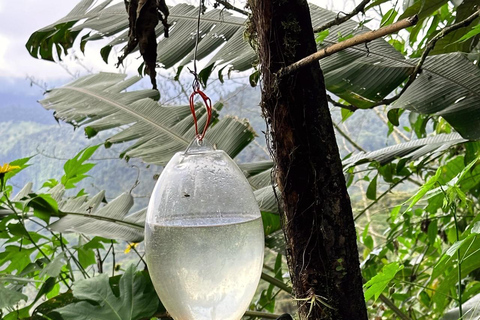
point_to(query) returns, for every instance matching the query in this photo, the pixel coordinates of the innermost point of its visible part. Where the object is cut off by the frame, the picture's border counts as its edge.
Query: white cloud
(4, 43)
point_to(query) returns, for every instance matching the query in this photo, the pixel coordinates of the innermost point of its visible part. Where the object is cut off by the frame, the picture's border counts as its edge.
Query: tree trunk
(317, 219)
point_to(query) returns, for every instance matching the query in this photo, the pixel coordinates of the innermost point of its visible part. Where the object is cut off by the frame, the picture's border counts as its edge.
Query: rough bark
(317, 218)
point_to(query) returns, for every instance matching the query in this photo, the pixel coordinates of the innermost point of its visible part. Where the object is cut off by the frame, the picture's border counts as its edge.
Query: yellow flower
(130, 247)
(7, 168)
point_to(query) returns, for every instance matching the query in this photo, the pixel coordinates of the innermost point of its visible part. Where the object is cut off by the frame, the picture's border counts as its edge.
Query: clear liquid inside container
(204, 237)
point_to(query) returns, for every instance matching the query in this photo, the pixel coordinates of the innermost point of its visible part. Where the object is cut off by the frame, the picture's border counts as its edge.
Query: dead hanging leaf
(143, 17)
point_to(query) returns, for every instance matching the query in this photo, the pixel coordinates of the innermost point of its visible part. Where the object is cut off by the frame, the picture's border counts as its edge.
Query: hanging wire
(196, 82)
(196, 86)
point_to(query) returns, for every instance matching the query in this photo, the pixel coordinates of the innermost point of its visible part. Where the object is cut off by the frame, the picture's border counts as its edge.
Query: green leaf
(50, 183)
(393, 117)
(367, 239)
(439, 90)
(136, 298)
(346, 114)
(43, 205)
(454, 248)
(75, 168)
(22, 163)
(375, 286)
(476, 228)
(47, 286)
(10, 297)
(429, 185)
(375, 3)
(475, 30)
(321, 36)
(111, 221)
(422, 8)
(23, 313)
(205, 74)
(86, 257)
(372, 189)
(17, 229)
(254, 78)
(16, 257)
(271, 222)
(154, 132)
(432, 231)
(54, 267)
(389, 17)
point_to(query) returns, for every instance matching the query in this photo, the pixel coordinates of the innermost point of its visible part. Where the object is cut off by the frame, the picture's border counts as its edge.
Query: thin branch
(276, 282)
(341, 105)
(394, 308)
(347, 137)
(395, 129)
(358, 39)
(339, 20)
(231, 7)
(263, 315)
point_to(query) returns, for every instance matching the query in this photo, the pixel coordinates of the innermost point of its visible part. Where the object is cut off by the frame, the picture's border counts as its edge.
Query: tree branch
(339, 20)
(358, 39)
(230, 7)
(418, 68)
(276, 282)
(341, 105)
(393, 307)
(347, 137)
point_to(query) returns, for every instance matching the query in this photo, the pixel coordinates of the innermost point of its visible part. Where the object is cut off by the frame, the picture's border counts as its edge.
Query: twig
(358, 39)
(341, 105)
(113, 258)
(231, 7)
(337, 21)
(259, 314)
(276, 282)
(395, 129)
(347, 137)
(394, 308)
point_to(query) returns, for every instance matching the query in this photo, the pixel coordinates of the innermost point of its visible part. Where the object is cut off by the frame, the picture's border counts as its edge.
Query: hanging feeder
(204, 234)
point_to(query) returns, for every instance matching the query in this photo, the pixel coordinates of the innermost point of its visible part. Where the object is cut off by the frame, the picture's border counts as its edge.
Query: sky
(19, 19)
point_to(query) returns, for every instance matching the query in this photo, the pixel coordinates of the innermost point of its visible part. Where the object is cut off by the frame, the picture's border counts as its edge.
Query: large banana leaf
(411, 150)
(155, 132)
(89, 215)
(113, 221)
(449, 86)
(362, 75)
(259, 173)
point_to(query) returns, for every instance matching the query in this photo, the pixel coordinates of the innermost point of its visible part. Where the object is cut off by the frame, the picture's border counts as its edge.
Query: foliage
(420, 249)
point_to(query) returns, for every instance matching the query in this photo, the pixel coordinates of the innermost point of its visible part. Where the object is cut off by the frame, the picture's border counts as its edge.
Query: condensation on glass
(204, 236)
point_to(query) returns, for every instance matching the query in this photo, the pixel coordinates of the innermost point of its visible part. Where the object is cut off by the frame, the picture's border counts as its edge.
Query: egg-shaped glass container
(204, 236)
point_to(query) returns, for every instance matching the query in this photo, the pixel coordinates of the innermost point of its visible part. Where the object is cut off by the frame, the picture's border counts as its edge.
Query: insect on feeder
(204, 234)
